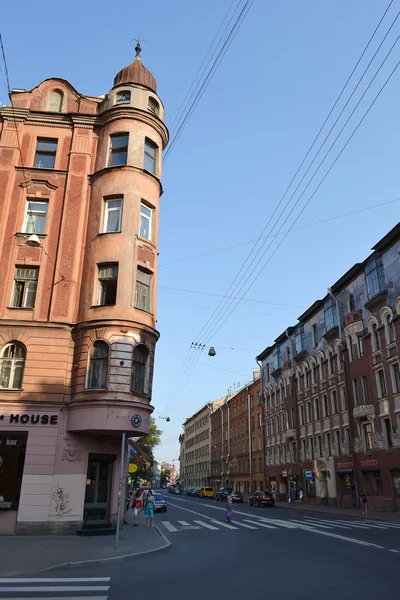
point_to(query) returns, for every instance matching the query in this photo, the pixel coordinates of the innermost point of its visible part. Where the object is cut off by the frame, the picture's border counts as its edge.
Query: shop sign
(18, 419)
(369, 463)
(345, 465)
(284, 473)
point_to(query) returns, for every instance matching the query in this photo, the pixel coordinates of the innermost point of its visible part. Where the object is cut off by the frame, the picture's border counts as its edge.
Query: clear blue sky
(235, 158)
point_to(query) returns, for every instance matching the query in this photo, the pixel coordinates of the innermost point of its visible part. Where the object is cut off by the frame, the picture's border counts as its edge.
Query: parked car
(171, 489)
(223, 492)
(160, 503)
(206, 492)
(195, 492)
(264, 498)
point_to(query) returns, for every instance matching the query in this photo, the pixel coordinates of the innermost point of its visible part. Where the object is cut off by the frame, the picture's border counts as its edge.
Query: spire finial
(138, 48)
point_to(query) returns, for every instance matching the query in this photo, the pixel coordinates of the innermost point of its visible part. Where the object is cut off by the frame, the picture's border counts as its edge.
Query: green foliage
(150, 441)
(165, 473)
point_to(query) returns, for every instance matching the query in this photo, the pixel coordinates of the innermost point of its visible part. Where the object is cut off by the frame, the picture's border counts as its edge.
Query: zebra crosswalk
(258, 523)
(54, 588)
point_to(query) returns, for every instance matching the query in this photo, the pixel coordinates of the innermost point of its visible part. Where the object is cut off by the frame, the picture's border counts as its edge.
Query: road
(265, 551)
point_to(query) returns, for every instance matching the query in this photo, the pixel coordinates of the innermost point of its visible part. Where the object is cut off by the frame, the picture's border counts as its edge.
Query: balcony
(377, 301)
(363, 411)
(353, 317)
(291, 434)
(331, 333)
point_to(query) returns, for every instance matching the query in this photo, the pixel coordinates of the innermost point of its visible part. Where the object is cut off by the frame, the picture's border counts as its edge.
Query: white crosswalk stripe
(261, 524)
(50, 588)
(312, 523)
(169, 527)
(207, 525)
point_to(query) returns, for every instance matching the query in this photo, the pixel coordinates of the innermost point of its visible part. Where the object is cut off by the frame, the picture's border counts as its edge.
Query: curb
(80, 564)
(332, 511)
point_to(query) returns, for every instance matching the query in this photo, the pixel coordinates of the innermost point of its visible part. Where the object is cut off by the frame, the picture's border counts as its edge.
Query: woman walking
(229, 507)
(364, 503)
(149, 509)
(137, 507)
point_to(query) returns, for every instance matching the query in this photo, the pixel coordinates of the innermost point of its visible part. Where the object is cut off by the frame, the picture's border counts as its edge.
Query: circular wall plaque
(136, 420)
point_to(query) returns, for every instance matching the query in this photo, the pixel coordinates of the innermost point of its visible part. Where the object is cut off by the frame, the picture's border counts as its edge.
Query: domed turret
(136, 73)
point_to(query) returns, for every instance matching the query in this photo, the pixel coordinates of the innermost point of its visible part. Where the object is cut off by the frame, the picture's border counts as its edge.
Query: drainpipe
(250, 446)
(263, 422)
(229, 446)
(222, 433)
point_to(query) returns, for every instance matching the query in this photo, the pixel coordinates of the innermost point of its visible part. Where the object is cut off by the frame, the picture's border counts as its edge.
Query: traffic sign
(308, 474)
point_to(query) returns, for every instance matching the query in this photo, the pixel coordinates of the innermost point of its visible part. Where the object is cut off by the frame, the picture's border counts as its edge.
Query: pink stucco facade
(76, 362)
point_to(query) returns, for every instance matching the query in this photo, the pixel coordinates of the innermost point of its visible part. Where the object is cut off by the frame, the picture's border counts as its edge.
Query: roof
(136, 72)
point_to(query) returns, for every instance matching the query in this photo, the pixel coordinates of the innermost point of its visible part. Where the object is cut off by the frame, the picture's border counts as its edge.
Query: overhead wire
(205, 329)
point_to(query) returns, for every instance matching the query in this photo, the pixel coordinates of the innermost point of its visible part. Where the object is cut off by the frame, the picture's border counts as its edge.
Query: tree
(165, 473)
(148, 443)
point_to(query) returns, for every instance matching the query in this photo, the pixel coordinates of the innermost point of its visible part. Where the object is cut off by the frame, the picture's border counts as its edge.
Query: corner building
(79, 210)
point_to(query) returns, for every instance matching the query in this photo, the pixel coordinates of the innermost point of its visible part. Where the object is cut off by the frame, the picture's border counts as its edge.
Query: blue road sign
(308, 474)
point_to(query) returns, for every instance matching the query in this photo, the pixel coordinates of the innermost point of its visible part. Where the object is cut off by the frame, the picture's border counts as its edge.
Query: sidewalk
(26, 554)
(344, 512)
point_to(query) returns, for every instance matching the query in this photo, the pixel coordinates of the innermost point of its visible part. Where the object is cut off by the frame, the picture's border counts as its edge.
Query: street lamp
(165, 419)
(33, 241)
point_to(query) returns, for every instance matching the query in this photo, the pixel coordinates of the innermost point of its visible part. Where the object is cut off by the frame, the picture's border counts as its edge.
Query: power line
(238, 245)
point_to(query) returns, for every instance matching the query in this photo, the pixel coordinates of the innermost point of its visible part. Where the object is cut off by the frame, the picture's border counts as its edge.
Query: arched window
(389, 328)
(139, 369)
(376, 342)
(352, 306)
(98, 366)
(12, 362)
(153, 106)
(55, 101)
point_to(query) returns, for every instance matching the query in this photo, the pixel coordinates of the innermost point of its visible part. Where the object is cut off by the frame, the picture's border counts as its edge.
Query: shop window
(373, 483)
(12, 363)
(98, 366)
(139, 369)
(13, 450)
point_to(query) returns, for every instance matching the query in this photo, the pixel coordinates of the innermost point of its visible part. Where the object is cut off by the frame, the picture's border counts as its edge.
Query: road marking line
(184, 523)
(241, 524)
(339, 522)
(54, 579)
(312, 523)
(259, 524)
(60, 598)
(342, 537)
(280, 523)
(331, 523)
(169, 527)
(226, 525)
(397, 551)
(207, 526)
(55, 588)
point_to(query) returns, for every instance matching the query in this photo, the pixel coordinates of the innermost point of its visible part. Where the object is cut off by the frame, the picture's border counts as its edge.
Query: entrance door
(98, 490)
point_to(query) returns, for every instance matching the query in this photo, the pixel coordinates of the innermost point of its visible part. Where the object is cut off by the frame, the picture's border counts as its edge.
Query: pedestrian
(229, 507)
(301, 496)
(137, 507)
(149, 508)
(364, 502)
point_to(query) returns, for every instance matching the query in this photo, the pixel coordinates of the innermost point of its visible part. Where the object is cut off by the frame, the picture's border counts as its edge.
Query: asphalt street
(264, 551)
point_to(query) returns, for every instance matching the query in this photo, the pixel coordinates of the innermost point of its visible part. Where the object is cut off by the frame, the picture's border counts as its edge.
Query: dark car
(264, 498)
(223, 492)
(160, 503)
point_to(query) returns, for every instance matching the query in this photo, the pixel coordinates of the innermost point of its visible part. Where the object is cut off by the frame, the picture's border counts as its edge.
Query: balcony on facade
(363, 411)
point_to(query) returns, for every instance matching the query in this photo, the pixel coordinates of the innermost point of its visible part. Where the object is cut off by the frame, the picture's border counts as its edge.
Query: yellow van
(206, 492)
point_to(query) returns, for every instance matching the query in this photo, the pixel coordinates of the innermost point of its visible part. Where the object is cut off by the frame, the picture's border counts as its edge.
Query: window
(98, 367)
(367, 431)
(360, 346)
(118, 149)
(373, 484)
(325, 406)
(364, 382)
(352, 305)
(139, 369)
(396, 378)
(328, 444)
(343, 398)
(251, 401)
(150, 156)
(259, 443)
(123, 97)
(337, 442)
(348, 440)
(275, 359)
(308, 412)
(330, 314)
(12, 362)
(299, 341)
(24, 289)
(55, 101)
(316, 409)
(108, 279)
(319, 445)
(259, 419)
(153, 106)
(389, 330)
(376, 342)
(35, 217)
(381, 381)
(311, 448)
(350, 347)
(45, 157)
(142, 294)
(253, 444)
(388, 432)
(293, 414)
(112, 215)
(331, 364)
(335, 408)
(355, 393)
(314, 335)
(301, 416)
(375, 278)
(288, 353)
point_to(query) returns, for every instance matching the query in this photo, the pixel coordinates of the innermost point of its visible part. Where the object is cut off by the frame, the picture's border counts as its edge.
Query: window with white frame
(112, 215)
(364, 382)
(35, 217)
(259, 442)
(146, 218)
(24, 287)
(12, 363)
(107, 284)
(123, 97)
(395, 372)
(259, 419)
(381, 383)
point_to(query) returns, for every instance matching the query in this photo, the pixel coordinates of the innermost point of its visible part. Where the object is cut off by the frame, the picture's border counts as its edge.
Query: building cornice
(101, 172)
(129, 112)
(123, 324)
